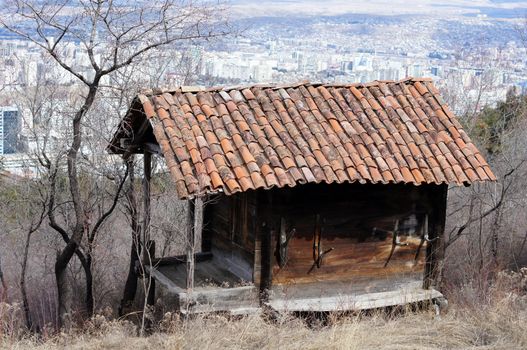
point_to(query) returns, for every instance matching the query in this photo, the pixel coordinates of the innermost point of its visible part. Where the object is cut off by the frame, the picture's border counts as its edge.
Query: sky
(379, 7)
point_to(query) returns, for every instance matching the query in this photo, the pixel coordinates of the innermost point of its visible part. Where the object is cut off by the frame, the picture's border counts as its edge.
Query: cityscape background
(474, 50)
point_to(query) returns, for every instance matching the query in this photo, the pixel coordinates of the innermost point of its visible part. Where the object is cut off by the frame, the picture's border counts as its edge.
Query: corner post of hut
(194, 225)
(190, 244)
(149, 248)
(435, 248)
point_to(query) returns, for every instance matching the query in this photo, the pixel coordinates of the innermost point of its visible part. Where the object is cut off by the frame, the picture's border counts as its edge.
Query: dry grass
(499, 324)
(502, 327)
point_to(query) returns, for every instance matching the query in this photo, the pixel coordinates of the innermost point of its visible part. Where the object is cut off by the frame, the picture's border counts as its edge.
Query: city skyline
(460, 53)
(491, 8)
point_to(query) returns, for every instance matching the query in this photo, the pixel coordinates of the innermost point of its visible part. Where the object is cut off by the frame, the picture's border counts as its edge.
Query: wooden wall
(229, 232)
(246, 227)
(354, 223)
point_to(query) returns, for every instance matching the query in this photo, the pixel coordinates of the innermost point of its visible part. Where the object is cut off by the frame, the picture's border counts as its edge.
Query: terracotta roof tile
(258, 137)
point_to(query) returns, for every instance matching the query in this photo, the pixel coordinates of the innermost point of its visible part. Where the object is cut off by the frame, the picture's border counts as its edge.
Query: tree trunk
(89, 301)
(495, 239)
(130, 286)
(63, 292)
(23, 289)
(3, 285)
(64, 257)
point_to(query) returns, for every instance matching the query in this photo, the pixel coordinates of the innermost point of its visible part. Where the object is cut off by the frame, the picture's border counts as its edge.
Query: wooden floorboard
(206, 273)
(209, 294)
(322, 296)
(342, 299)
(237, 300)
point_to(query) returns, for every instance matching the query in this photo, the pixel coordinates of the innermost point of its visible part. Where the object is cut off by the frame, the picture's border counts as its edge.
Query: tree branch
(504, 190)
(103, 217)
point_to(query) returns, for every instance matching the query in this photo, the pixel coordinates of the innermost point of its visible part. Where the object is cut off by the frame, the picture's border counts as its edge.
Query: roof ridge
(201, 88)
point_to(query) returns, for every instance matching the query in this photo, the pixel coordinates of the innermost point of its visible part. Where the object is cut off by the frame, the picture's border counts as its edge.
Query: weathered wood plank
(235, 300)
(234, 262)
(435, 250)
(257, 266)
(343, 297)
(151, 297)
(147, 177)
(181, 259)
(190, 242)
(163, 280)
(355, 302)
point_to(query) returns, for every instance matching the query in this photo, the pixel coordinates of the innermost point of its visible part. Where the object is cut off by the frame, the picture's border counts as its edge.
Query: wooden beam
(181, 259)
(149, 249)
(137, 138)
(130, 287)
(266, 258)
(206, 225)
(237, 300)
(150, 300)
(191, 246)
(153, 148)
(265, 232)
(435, 249)
(142, 130)
(257, 262)
(164, 280)
(147, 176)
(137, 148)
(402, 295)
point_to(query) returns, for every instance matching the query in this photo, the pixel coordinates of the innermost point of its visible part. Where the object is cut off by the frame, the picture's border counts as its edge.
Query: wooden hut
(318, 197)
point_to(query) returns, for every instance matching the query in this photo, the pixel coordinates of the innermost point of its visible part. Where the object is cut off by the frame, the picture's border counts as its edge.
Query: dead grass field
(496, 320)
(503, 326)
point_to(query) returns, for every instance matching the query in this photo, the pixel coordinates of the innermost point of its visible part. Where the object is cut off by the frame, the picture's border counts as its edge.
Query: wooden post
(206, 233)
(199, 222)
(266, 261)
(435, 249)
(147, 163)
(257, 263)
(191, 223)
(150, 300)
(130, 287)
(149, 249)
(266, 233)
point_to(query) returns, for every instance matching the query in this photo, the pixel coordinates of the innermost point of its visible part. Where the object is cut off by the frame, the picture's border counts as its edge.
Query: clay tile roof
(239, 138)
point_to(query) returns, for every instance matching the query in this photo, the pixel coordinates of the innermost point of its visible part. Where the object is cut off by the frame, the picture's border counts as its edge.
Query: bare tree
(112, 37)
(24, 206)
(3, 284)
(36, 214)
(487, 221)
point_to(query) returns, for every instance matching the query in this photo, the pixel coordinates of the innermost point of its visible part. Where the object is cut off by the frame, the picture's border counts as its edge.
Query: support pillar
(151, 298)
(130, 287)
(191, 243)
(147, 176)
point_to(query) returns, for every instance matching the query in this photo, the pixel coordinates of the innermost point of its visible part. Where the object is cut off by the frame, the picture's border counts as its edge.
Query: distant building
(10, 128)
(347, 66)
